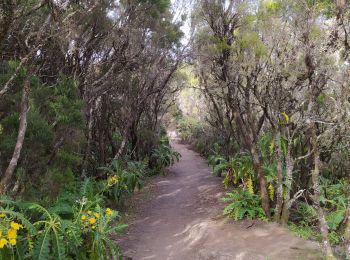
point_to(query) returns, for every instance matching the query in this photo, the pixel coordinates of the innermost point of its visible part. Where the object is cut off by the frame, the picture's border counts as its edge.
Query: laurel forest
(90, 89)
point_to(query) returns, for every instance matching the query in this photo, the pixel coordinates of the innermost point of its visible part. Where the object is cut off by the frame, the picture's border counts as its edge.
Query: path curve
(183, 220)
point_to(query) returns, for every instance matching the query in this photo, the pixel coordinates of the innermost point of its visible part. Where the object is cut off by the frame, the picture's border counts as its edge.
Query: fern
(243, 204)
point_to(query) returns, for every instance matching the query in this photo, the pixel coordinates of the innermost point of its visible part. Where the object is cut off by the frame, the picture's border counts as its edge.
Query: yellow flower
(92, 220)
(16, 226)
(13, 242)
(93, 227)
(83, 217)
(250, 187)
(97, 215)
(109, 211)
(2, 215)
(89, 212)
(12, 233)
(3, 242)
(112, 180)
(271, 189)
(286, 117)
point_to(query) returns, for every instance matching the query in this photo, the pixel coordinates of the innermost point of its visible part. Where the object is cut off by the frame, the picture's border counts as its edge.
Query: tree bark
(289, 177)
(262, 181)
(85, 163)
(257, 164)
(279, 190)
(317, 194)
(124, 141)
(6, 178)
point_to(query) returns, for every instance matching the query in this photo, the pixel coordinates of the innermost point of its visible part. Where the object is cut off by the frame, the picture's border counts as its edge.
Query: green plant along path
(182, 220)
(259, 88)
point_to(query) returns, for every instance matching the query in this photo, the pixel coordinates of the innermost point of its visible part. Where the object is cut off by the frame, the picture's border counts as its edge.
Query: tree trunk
(317, 194)
(124, 141)
(257, 164)
(6, 178)
(289, 177)
(279, 191)
(85, 163)
(262, 181)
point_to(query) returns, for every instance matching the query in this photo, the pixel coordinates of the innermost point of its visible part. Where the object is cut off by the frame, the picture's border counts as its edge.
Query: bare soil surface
(180, 217)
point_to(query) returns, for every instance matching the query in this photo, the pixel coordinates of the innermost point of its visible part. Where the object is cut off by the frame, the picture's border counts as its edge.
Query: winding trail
(182, 219)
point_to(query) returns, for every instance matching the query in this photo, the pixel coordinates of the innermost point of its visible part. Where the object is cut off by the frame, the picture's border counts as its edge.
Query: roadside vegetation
(260, 88)
(274, 122)
(83, 88)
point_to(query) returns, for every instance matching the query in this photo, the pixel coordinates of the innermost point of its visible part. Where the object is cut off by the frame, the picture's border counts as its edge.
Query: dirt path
(182, 220)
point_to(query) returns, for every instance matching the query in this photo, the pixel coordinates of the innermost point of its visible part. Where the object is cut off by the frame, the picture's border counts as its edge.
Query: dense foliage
(84, 86)
(274, 79)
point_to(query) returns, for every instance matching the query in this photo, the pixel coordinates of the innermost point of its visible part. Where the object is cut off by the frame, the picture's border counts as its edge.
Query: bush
(302, 230)
(244, 204)
(123, 178)
(162, 157)
(334, 201)
(81, 231)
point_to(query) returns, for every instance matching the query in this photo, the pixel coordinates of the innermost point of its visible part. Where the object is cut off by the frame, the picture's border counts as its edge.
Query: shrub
(244, 204)
(302, 230)
(123, 178)
(81, 231)
(163, 156)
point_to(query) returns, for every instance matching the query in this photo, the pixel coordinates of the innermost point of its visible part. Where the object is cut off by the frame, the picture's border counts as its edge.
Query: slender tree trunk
(317, 194)
(124, 141)
(122, 146)
(257, 164)
(55, 149)
(279, 191)
(85, 163)
(262, 181)
(6, 178)
(288, 185)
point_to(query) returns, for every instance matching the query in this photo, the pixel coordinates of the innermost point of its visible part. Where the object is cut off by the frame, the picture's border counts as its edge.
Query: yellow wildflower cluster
(109, 211)
(9, 236)
(90, 218)
(271, 189)
(112, 180)
(250, 187)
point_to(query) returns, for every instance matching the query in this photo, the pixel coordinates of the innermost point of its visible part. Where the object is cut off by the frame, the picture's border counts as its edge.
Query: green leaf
(42, 246)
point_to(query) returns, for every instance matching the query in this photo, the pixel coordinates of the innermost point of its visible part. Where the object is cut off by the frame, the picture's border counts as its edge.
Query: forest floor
(179, 217)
